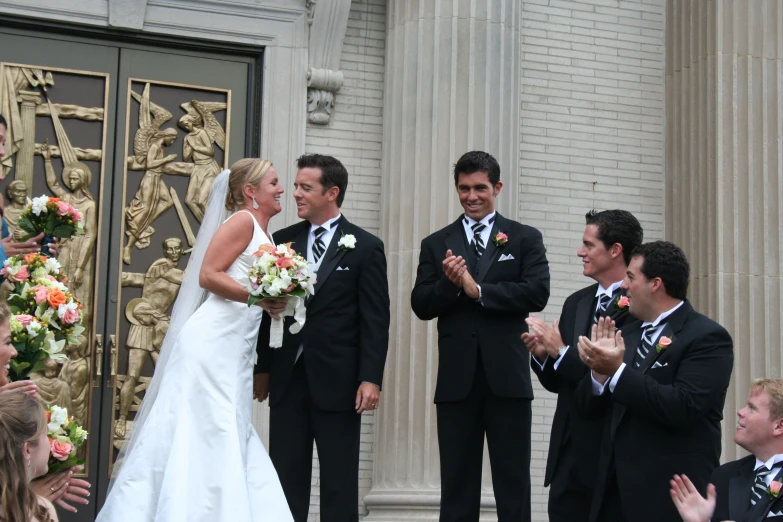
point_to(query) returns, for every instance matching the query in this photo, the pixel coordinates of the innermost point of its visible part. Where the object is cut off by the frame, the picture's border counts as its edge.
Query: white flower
(55, 348)
(57, 418)
(39, 205)
(39, 273)
(53, 265)
(348, 242)
(283, 250)
(34, 328)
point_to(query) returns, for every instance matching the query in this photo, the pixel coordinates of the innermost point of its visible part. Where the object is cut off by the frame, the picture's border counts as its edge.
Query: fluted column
(24, 157)
(724, 184)
(452, 85)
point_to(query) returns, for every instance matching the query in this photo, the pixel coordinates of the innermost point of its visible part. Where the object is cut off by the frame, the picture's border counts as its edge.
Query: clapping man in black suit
(609, 238)
(324, 377)
(662, 398)
(748, 489)
(480, 277)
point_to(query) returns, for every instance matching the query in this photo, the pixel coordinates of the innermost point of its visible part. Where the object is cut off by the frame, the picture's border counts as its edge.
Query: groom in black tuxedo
(480, 277)
(609, 238)
(324, 377)
(743, 490)
(660, 385)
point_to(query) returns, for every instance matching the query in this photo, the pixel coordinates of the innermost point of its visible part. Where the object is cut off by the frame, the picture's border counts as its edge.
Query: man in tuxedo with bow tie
(661, 398)
(609, 238)
(322, 379)
(743, 490)
(480, 277)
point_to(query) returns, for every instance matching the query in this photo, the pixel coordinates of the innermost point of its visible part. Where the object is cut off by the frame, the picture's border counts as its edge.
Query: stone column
(24, 156)
(452, 85)
(724, 183)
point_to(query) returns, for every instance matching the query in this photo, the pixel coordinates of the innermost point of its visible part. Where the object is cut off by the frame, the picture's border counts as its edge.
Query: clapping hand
(689, 502)
(454, 267)
(546, 334)
(604, 352)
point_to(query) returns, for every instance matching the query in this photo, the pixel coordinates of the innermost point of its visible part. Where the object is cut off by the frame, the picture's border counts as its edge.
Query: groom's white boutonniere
(347, 242)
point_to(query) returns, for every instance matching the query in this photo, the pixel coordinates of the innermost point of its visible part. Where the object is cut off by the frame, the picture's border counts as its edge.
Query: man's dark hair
(477, 161)
(333, 173)
(617, 226)
(667, 261)
(3, 122)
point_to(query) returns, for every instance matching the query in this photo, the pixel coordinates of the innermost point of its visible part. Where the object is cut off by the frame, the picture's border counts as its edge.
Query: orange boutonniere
(622, 302)
(500, 239)
(662, 344)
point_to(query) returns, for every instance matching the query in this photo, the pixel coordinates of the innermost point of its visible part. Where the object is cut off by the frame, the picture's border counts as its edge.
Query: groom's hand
(367, 397)
(260, 386)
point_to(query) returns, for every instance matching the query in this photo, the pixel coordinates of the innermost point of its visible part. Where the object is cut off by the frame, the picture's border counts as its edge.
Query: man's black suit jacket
(733, 482)
(662, 418)
(511, 289)
(585, 432)
(346, 332)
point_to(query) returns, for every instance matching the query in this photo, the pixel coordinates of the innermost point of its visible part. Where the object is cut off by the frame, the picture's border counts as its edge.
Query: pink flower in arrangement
(22, 274)
(24, 319)
(40, 294)
(60, 450)
(63, 208)
(285, 262)
(75, 214)
(70, 315)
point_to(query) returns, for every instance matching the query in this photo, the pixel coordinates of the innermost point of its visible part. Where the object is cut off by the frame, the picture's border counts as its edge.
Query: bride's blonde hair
(247, 171)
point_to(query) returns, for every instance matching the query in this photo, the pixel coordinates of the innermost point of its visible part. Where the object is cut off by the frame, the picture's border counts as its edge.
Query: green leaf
(253, 299)
(64, 231)
(39, 367)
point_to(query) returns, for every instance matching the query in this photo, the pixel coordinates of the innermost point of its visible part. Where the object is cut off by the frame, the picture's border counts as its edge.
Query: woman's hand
(26, 387)
(13, 248)
(61, 488)
(273, 305)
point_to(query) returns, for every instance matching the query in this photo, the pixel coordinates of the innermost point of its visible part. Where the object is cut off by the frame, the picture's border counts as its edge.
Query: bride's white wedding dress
(198, 457)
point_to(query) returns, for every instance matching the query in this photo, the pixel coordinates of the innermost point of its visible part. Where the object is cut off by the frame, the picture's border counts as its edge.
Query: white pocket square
(341, 268)
(659, 365)
(505, 257)
(773, 514)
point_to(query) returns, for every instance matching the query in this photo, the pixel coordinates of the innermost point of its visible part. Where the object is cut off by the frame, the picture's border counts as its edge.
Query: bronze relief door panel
(131, 136)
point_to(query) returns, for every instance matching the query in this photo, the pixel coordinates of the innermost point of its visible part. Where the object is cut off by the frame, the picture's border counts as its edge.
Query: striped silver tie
(646, 344)
(600, 309)
(318, 245)
(478, 244)
(760, 485)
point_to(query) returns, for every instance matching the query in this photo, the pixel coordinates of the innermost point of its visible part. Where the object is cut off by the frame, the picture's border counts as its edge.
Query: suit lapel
(300, 239)
(632, 338)
(331, 257)
(653, 354)
(584, 315)
(491, 251)
(455, 240)
(739, 492)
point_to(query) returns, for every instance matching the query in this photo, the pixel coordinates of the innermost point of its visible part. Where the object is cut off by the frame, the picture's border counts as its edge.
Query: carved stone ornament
(322, 85)
(328, 23)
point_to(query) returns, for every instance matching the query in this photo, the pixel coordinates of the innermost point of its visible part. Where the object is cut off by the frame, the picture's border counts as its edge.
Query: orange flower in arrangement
(56, 298)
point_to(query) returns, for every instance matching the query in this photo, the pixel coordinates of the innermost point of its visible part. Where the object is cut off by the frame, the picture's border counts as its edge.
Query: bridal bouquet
(46, 314)
(280, 272)
(53, 217)
(65, 438)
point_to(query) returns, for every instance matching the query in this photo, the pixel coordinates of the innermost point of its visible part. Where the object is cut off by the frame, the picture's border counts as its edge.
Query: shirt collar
(327, 225)
(776, 459)
(663, 316)
(608, 291)
(487, 220)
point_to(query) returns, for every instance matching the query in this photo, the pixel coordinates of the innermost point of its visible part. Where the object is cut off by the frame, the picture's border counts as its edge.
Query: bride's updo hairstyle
(247, 171)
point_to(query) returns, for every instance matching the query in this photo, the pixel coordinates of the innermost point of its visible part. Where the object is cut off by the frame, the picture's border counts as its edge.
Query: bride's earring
(255, 204)
(29, 463)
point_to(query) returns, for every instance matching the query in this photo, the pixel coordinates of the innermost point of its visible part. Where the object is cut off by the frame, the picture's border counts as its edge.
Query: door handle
(113, 354)
(98, 360)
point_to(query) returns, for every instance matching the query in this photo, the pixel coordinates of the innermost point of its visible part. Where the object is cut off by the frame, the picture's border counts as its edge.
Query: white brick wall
(591, 137)
(353, 136)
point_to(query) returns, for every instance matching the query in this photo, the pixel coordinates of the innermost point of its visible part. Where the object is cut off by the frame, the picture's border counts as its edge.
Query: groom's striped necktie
(600, 308)
(318, 245)
(646, 345)
(759, 488)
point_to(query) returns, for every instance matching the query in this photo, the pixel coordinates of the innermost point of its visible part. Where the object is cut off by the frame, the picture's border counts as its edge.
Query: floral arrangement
(46, 314)
(280, 272)
(65, 438)
(52, 216)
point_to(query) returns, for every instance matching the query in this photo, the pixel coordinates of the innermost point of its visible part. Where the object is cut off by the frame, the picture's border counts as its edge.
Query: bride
(193, 454)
